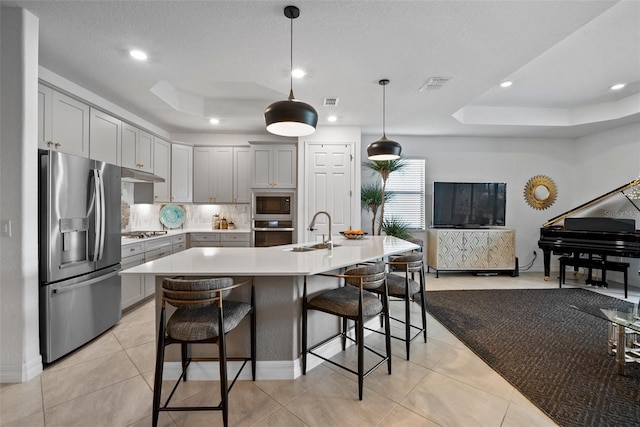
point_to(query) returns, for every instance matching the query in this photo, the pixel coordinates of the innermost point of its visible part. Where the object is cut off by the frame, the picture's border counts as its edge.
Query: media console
(464, 249)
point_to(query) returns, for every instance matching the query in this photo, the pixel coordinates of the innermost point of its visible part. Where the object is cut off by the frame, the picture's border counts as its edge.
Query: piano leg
(546, 255)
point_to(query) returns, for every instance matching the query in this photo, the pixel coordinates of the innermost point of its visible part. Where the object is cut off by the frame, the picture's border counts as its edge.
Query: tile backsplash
(147, 216)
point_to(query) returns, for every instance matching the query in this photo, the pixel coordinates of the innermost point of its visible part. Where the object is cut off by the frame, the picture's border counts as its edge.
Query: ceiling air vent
(434, 83)
(330, 102)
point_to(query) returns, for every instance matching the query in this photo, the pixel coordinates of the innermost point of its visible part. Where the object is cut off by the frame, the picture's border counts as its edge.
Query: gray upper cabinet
(181, 173)
(273, 166)
(221, 175)
(162, 167)
(63, 122)
(105, 137)
(241, 174)
(137, 148)
(212, 174)
(144, 151)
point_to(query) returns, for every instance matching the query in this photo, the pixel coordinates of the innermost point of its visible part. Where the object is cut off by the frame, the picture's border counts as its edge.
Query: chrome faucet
(327, 243)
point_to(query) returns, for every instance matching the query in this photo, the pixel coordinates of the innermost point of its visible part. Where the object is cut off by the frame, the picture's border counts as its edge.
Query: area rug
(554, 355)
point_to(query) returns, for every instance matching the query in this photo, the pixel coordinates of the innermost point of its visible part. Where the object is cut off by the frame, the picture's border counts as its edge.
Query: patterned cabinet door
(502, 247)
(450, 249)
(475, 249)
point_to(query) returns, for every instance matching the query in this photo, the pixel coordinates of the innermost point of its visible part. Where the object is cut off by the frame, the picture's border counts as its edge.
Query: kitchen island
(279, 273)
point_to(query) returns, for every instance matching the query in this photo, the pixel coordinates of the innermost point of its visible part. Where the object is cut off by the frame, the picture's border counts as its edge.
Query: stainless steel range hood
(134, 175)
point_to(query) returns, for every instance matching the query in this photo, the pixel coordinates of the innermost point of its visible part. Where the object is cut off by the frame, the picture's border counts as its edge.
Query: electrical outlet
(5, 228)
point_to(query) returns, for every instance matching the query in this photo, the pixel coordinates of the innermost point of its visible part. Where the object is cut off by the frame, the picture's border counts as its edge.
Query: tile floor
(109, 383)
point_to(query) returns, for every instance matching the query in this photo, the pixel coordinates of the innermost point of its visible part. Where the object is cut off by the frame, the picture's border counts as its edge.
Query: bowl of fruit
(353, 234)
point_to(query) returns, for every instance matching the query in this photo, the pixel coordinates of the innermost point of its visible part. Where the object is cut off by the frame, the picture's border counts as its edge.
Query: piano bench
(598, 264)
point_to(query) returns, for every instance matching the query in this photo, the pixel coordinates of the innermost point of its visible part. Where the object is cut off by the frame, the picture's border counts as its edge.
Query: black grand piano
(604, 226)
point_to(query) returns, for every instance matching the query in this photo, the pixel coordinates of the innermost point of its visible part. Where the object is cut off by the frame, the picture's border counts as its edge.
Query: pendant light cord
(291, 61)
(384, 83)
(384, 109)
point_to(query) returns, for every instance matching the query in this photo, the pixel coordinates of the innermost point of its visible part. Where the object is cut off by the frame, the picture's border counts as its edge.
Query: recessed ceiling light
(332, 118)
(138, 54)
(214, 121)
(618, 86)
(506, 83)
(298, 73)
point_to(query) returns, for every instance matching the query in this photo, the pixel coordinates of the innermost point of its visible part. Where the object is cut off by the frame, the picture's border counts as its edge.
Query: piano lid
(630, 192)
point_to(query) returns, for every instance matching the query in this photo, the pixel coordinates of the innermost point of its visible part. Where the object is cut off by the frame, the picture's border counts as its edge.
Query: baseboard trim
(19, 373)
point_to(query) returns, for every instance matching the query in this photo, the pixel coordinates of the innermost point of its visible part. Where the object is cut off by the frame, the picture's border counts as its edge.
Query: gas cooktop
(143, 234)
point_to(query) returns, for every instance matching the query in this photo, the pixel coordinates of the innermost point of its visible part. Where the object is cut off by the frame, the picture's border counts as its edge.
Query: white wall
(19, 344)
(582, 170)
(606, 160)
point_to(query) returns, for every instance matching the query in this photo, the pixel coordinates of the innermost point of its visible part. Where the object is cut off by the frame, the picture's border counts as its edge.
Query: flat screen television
(469, 204)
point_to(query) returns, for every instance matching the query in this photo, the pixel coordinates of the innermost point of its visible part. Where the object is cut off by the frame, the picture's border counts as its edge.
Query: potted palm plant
(396, 227)
(384, 168)
(371, 197)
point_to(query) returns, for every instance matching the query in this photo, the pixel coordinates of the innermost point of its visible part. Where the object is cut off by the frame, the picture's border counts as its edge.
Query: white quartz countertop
(275, 260)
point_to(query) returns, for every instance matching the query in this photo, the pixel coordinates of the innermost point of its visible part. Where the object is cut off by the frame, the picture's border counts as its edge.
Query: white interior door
(329, 186)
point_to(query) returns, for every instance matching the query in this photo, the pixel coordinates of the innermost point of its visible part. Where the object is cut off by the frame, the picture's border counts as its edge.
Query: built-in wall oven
(272, 232)
(273, 218)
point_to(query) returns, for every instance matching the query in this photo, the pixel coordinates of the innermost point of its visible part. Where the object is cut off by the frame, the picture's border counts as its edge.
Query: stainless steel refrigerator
(79, 245)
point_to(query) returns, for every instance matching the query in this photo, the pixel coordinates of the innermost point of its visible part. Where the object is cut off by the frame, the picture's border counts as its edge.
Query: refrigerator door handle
(103, 216)
(97, 206)
(57, 289)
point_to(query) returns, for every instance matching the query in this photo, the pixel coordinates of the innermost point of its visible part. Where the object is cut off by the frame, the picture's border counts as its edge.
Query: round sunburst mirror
(540, 192)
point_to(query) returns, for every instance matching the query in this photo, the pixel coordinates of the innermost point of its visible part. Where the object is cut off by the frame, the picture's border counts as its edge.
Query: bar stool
(402, 285)
(353, 301)
(202, 312)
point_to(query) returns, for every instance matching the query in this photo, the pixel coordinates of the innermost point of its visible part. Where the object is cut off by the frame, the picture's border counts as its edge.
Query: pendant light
(291, 117)
(384, 148)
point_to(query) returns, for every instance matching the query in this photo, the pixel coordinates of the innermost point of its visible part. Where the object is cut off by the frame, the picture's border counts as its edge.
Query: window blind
(407, 187)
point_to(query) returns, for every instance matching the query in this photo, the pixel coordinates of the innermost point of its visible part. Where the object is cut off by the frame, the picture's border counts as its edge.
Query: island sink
(301, 249)
(325, 245)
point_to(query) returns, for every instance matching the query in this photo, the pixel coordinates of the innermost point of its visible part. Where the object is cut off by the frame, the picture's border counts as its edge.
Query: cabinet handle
(132, 250)
(50, 143)
(155, 197)
(57, 144)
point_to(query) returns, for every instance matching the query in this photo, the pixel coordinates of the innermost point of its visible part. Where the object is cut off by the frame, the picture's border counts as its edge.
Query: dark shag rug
(554, 355)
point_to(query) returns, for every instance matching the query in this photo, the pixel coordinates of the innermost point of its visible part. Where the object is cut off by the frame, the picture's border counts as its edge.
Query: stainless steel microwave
(273, 205)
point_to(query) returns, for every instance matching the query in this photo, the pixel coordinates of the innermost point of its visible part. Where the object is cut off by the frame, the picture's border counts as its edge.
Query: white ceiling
(230, 59)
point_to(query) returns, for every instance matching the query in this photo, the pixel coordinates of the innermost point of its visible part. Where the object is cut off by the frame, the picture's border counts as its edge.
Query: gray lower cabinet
(155, 249)
(220, 239)
(178, 243)
(132, 286)
(136, 288)
(237, 240)
(205, 240)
